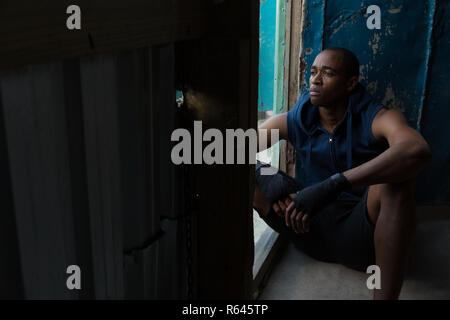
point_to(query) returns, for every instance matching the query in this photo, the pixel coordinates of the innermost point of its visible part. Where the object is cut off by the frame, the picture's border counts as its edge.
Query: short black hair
(351, 63)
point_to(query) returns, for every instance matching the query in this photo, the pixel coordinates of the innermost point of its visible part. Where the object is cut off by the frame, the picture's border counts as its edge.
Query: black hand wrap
(313, 198)
(277, 186)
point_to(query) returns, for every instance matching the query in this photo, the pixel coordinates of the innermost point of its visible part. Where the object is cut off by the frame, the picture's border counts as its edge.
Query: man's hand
(299, 221)
(316, 197)
(308, 201)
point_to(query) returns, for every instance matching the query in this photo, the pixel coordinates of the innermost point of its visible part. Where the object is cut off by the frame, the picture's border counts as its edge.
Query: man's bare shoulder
(388, 121)
(277, 122)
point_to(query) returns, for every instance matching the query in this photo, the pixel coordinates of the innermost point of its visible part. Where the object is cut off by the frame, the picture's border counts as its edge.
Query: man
(360, 161)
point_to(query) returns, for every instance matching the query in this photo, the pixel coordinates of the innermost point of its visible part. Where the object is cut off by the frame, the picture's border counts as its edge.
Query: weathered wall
(404, 65)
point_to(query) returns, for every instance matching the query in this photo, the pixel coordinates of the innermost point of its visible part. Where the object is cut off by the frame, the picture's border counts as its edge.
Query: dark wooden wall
(86, 119)
(220, 87)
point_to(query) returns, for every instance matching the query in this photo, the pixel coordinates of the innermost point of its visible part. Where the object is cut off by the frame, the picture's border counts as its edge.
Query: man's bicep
(277, 122)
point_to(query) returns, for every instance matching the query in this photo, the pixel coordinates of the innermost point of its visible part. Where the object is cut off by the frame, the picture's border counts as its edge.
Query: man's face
(328, 83)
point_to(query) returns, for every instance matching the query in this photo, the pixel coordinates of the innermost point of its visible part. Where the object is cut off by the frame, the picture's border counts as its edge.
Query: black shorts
(341, 233)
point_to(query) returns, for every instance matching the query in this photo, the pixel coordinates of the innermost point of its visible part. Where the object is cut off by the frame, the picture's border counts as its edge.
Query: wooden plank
(248, 102)
(295, 70)
(252, 123)
(210, 66)
(219, 90)
(296, 33)
(37, 33)
(269, 253)
(286, 69)
(262, 249)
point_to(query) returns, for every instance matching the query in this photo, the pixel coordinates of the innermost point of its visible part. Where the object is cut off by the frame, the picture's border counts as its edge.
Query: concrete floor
(297, 276)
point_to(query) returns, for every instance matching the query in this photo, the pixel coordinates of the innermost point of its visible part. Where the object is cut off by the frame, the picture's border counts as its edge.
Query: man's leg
(392, 208)
(260, 203)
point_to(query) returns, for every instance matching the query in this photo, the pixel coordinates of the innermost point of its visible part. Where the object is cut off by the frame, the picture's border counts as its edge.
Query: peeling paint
(308, 50)
(363, 69)
(302, 76)
(389, 30)
(391, 101)
(395, 10)
(389, 96)
(374, 43)
(336, 24)
(372, 87)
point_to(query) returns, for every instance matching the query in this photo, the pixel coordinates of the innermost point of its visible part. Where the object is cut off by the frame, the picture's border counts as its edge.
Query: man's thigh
(373, 202)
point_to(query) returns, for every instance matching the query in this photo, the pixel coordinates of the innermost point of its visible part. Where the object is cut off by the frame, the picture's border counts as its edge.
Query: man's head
(334, 74)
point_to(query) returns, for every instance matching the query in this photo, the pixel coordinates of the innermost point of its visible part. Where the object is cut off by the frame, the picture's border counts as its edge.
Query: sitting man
(360, 160)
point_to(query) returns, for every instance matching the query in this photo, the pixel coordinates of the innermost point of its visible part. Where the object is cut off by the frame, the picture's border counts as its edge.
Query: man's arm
(406, 156)
(277, 122)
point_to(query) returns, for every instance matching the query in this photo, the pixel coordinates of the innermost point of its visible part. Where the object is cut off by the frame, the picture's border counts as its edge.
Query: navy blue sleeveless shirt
(349, 145)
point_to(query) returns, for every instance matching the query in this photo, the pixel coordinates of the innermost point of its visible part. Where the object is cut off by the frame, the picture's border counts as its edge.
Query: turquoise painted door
(267, 26)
